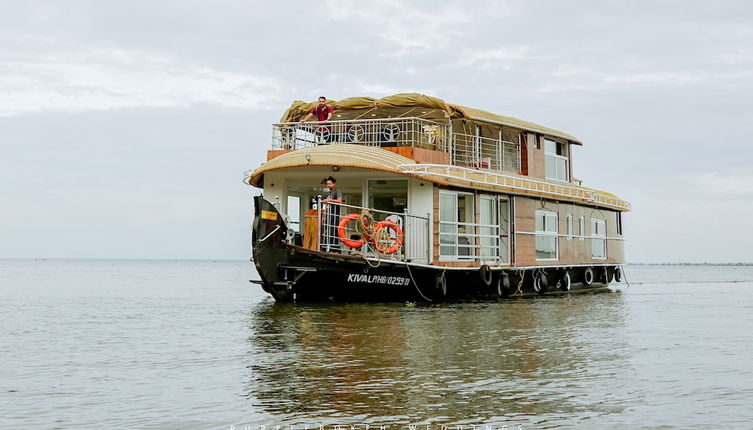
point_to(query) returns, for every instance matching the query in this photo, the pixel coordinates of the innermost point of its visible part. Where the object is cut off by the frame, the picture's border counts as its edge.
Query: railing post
(451, 144)
(429, 244)
(500, 153)
(319, 223)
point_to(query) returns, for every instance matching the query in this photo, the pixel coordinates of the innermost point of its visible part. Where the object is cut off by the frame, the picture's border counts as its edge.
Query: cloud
(734, 185)
(374, 89)
(502, 56)
(412, 29)
(104, 79)
(571, 78)
(676, 78)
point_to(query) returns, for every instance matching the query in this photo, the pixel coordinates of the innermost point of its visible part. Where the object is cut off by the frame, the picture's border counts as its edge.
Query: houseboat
(438, 202)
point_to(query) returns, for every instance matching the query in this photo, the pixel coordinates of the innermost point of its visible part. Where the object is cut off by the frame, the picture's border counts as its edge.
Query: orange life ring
(343, 237)
(398, 241)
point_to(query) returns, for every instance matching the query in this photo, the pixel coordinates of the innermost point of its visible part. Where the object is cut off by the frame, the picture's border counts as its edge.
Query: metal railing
(406, 237)
(485, 153)
(462, 241)
(387, 132)
(481, 177)
(464, 149)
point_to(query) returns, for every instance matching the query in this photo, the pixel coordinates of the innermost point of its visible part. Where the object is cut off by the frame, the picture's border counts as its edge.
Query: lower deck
(291, 272)
(442, 225)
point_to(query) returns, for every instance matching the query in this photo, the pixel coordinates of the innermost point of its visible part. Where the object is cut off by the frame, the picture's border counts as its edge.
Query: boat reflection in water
(516, 362)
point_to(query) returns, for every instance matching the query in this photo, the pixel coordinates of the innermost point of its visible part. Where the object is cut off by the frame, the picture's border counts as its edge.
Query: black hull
(293, 273)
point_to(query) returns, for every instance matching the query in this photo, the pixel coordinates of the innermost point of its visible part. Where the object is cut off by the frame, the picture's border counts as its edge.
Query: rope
(415, 284)
(622, 269)
(520, 284)
(381, 236)
(364, 256)
(365, 224)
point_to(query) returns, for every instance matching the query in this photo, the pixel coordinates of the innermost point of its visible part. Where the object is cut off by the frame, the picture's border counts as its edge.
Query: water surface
(194, 345)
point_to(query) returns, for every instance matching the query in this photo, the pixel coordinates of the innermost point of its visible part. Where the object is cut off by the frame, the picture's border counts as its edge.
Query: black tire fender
(487, 277)
(440, 284)
(503, 286)
(588, 276)
(540, 283)
(618, 274)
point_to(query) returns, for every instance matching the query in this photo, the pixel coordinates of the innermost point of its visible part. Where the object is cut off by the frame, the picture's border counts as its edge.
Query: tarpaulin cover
(299, 109)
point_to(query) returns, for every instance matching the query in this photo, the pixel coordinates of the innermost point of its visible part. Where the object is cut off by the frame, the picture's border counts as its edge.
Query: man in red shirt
(323, 113)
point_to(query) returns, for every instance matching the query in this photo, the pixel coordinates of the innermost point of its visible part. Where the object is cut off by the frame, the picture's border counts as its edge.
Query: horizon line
(666, 263)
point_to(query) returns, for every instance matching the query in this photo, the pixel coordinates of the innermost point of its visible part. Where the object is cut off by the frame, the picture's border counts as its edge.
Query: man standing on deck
(323, 113)
(331, 216)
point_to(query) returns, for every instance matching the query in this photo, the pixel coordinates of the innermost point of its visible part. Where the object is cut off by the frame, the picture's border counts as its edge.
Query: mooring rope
(415, 284)
(624, 276)
(520, 284)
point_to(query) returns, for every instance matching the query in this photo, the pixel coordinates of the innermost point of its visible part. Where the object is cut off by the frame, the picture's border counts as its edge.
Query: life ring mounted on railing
(384, 241)
(398, 240)
(350, 243)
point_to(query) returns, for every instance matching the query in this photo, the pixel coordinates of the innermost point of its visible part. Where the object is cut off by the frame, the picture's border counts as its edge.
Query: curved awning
(379, 159)
(340, 154)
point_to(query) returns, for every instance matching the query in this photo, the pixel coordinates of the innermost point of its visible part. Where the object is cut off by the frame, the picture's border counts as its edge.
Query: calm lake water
(194, 345)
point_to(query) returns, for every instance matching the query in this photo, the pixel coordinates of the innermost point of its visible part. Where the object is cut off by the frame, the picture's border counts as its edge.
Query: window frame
(619, 223)
(546, 233)
(456, 245)
(597, 236)
(552, 175)
(493, 229)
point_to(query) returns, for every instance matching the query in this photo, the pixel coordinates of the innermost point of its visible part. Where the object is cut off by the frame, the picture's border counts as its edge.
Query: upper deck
(449, 146)
(451, 143)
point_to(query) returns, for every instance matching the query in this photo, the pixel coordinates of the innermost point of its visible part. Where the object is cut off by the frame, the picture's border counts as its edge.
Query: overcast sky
(125, 127)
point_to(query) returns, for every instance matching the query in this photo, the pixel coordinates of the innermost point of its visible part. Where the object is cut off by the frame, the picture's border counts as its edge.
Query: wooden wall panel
(573, 251)
(538, 160)
(272, 153)
(530, 143)
(422, 155)
(523, 139)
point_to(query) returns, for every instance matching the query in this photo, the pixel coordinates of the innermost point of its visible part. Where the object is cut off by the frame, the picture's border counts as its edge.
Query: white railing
(464, 149)
(470, 242)
(408, 242)
(484, 152)
(481, 177)
(387, 132)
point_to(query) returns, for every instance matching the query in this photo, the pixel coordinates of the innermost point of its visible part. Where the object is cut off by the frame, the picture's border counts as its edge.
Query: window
(569, 219)
(555, 160)
(388, 195)
(598, 238)
(546, 235)
(488, 228)
(581, 228)
(456, 239)
(619, 223)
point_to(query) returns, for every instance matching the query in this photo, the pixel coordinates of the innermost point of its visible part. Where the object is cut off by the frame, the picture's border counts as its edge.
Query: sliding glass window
(598, 238)
(546, 235)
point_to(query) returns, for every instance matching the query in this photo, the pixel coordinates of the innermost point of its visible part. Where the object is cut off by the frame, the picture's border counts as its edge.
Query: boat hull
(293, 273)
